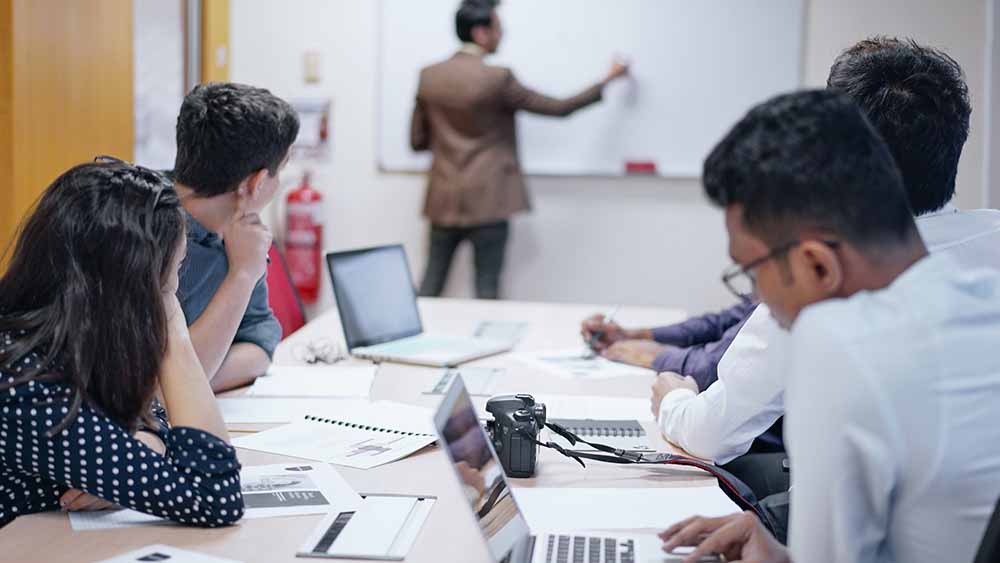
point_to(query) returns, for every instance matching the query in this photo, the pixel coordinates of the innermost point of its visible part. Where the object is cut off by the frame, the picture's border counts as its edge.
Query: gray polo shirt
(202, 273)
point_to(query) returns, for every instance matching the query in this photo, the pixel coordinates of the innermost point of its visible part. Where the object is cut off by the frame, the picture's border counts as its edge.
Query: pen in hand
(595, 336)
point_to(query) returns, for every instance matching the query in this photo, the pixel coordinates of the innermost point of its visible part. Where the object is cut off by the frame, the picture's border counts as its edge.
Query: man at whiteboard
(464, 114)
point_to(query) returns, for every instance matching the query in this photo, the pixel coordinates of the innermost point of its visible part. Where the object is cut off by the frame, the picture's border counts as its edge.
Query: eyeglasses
(741, 280)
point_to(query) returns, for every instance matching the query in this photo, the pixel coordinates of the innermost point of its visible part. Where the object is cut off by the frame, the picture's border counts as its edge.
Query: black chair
(989, 548)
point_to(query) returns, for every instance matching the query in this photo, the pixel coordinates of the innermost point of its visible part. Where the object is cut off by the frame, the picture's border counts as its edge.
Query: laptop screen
(375, 295)
(479, 472)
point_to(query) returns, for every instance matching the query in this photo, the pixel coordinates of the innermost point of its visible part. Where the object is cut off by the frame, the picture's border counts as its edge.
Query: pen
(597, 334)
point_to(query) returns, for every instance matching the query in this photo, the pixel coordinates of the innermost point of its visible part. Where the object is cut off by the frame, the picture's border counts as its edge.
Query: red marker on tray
(640, 167)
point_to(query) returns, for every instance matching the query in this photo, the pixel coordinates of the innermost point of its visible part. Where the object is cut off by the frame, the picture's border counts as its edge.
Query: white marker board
(698, 66)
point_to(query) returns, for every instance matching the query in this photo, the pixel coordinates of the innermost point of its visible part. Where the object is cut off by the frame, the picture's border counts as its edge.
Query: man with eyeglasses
(917, 99)
(885, 351)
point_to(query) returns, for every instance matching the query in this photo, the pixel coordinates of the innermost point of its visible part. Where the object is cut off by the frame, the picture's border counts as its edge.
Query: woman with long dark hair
(91, 333)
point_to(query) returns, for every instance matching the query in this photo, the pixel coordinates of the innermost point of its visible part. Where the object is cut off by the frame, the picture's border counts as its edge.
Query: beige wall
(956, 26)
(992, 172)
(598, 240)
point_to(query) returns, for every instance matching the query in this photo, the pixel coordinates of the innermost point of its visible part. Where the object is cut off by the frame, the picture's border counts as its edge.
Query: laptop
(378, 311)
(503, 526)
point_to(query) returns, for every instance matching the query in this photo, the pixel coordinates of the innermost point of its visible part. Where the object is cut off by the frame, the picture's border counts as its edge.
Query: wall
(957, 26)
(159, 79)
(991, 172)
(65, 94)
(596, 240)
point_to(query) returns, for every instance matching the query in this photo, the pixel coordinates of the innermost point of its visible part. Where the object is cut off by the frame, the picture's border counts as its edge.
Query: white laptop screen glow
(479, 472)
(375, 295)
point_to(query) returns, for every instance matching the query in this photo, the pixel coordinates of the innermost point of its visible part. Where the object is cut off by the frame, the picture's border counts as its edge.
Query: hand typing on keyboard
(739, 537)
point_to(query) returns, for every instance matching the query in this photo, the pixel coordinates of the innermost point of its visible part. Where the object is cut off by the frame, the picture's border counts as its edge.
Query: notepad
(361, 435)
(621, 434)
(384, 527)
(590, 406)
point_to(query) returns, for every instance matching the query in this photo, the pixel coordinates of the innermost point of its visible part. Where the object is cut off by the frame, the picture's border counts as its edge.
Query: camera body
(517, 420)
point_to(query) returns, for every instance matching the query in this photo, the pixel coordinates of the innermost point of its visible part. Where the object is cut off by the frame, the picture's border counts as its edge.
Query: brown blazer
(464, 114)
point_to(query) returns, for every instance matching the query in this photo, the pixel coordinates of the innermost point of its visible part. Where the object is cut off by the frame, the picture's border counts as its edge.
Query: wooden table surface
(450, 533)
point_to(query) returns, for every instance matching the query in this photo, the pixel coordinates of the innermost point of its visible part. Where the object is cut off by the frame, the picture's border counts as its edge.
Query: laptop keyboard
(587, 549)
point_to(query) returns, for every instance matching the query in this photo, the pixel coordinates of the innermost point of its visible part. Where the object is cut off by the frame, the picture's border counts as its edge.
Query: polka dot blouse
(196, 482)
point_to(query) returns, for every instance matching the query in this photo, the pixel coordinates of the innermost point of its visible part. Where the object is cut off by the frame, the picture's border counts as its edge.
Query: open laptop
(504, 528)
(378, 311)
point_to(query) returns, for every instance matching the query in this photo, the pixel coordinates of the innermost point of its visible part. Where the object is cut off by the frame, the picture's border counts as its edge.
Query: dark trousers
(489, 243)
(765, 474)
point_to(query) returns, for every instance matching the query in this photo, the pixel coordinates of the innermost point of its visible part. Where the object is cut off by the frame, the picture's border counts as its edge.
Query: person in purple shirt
(691, 348)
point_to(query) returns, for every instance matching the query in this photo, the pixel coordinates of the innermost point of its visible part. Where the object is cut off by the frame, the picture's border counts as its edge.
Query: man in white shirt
(918, 101)
(892, 379)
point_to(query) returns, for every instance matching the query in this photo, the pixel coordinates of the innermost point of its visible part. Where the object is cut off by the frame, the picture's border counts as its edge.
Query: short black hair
(472, 14)
(226, 131)
(806, 161)
(916, 97)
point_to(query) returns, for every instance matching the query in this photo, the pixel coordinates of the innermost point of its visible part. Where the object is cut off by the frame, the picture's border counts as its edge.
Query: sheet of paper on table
(479, 381)
(290, 489)
(658, 507)
(315, 381)
(277, 410)
(506, 331)
(578, 363)
(160, 552)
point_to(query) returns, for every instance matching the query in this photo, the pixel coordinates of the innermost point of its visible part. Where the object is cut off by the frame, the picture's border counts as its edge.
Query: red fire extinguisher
(304, 239)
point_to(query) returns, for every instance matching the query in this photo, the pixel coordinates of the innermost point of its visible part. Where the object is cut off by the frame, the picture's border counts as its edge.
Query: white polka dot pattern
(197, 482)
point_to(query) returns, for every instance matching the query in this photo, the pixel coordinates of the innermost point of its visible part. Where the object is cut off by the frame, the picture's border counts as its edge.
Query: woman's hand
(75, 500)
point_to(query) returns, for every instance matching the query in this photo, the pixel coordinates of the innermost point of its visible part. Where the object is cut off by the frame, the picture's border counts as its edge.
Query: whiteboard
(697, 67)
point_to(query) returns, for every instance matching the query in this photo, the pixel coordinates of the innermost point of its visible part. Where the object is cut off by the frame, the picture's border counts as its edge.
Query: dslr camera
(517, 420)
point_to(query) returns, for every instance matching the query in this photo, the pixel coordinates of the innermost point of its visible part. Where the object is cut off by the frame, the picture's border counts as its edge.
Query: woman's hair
(84, 288)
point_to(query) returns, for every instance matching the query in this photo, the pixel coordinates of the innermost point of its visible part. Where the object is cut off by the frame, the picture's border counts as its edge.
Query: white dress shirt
(721, 422)
(893, 423)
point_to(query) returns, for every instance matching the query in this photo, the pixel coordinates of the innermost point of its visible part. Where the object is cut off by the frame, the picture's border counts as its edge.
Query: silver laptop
(504, 528)
(378, 311)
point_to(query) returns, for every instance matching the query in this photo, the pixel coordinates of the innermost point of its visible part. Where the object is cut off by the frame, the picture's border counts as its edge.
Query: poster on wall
(315, 129)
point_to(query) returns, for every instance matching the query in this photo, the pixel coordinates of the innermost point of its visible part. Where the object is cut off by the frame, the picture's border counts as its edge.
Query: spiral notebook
(623, 434)
(359, 434)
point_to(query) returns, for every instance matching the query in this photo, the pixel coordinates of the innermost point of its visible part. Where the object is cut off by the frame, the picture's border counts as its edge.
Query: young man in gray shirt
(232, 142)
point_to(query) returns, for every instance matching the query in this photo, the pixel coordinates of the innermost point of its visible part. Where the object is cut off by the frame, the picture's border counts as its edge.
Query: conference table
(450, 532)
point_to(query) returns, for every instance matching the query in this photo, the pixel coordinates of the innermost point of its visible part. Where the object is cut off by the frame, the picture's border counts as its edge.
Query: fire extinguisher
(304, 239)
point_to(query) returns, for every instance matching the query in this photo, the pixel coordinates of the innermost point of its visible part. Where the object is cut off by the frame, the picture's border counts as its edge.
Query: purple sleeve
(704, 329)
(700, 361)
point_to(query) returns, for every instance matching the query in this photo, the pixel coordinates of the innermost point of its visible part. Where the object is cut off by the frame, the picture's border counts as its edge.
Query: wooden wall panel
(69, 95)
(215, 41)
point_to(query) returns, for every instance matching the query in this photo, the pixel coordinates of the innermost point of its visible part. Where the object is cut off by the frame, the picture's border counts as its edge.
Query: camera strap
(738, 491)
